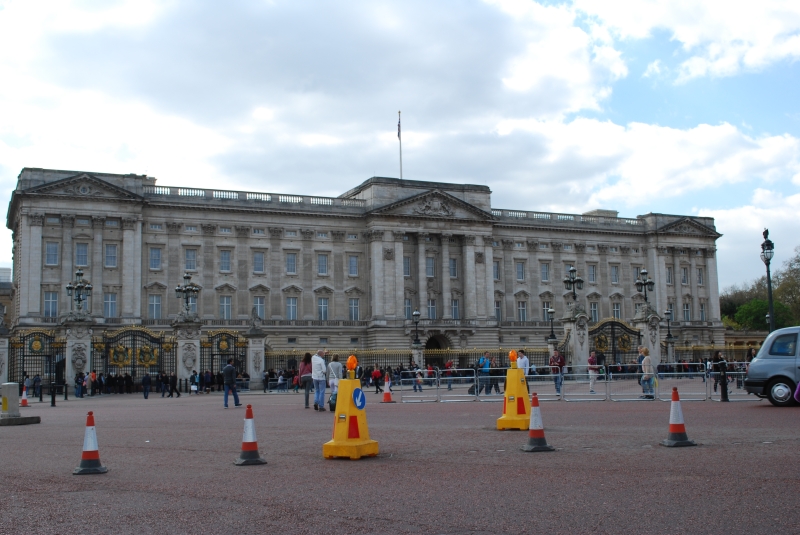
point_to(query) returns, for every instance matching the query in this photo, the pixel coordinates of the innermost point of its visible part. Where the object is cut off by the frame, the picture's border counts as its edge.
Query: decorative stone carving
(433, 206)
(556, 245)
(189, 355)
(188, 332)
(469, 240)
(652, 329)
(208, 229)
(307, 233)
(398, 236)
(78, 357)
(581, 330)
(624, 249)
(68, 220)
(337, 235)
(388, 254)
(533, 246)
(36, 220)
(479, 257)
(128, 223)
(98, 222)
(580, 247)
(173, 227)
(602, 248)
(662, 250)
(275, 232)
(257, 359)
(375, 235)
(508, 244)
(710, 253)
(242, 231)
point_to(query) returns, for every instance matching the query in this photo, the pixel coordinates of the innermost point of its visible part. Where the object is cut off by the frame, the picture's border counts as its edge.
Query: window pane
(258, 262)
(699, 275)
(322, 264)
(322, 308)
(51, 254)
(522, 310)
(111, 256)
(353, 266)
(354, 313)
(193, 304)
(520, 271)
(154, 307)
(259, 304)
(432, 309)
(291, 262)
(224, 260)
(430, 266)
(453, 268)
(545, 272)
(594, 312)
(406, 266)
(155, 258)
(407, 307)
(617, 311)
(82, 254)
(225, 307)
(669, 275)
(110, 305)
(291, 308)
(614, 274)
(191, 259)
(454, 308)
(50, 304)
(592, 273)
(498, 311)
(545, 308)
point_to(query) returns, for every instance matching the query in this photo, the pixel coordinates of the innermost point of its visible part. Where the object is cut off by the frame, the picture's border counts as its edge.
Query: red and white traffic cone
(23, 402)
(387, 392)
(249, 453)
(90, 458)
(536, 440)
(677, 431)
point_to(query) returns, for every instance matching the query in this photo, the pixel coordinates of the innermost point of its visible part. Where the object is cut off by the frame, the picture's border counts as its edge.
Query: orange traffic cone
(23, 402)
(249, 453)
(387, 389)
(90, 458)
(536, 440)
(677, 431)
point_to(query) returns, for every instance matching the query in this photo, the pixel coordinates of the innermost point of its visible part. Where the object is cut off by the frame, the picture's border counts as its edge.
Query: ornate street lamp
(643, 283)
(79, 291)
(668, 314)
(551, 314)
(186, 292)
(572, 281)
(767, 252)
(416, 316)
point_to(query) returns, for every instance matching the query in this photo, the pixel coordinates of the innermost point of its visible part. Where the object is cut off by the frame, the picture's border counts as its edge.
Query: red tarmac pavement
(443, 468)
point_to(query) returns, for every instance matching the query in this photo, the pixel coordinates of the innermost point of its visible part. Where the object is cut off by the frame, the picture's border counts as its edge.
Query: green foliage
(730, 323)
(752, 315)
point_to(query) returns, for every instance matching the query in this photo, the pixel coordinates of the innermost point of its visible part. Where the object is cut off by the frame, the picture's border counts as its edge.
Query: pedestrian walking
(229, 383)
(593, 370)
(318, 373)
(557, 364)
(648, 374)
(146, 384)
(305, 376)
(173, 385)
(334, 374)
(484, 364)
(376, 379)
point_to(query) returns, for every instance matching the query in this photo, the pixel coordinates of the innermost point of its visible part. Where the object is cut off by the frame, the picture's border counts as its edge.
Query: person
(418, 380)
(376, 380)
(318, 375)
(78, 385)
(648, 374)
(334, 375)
(716, 359)
(229, 383)
(448, 372)
(751, 354)
(483, 370)
(146, 384)
(88, 384)
(246, 377)
(593, 369)
(265, 380)
(129, 383)
(305, 373)
(360, 374)
(522, 362)
(173, 385)
(557, 364)
(495, 372)
(209, 382)
(281, 382)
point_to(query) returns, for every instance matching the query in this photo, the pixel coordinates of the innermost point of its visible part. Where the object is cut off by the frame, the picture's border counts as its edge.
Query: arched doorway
(436, 349)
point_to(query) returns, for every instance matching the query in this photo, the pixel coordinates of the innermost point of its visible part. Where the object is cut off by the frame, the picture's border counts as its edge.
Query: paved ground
(443, 468)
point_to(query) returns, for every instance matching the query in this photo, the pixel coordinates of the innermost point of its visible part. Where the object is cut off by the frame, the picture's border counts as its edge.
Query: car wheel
(780, 392)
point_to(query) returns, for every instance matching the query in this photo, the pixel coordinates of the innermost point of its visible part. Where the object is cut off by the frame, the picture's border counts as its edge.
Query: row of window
(591, 275)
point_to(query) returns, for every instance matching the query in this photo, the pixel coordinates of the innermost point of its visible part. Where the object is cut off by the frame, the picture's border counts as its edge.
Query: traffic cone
(536, 440)
(387, 392)
(350, 430)
(249, 453)
(23, 402)
(516, 406)
(90, 458)
(677, 431)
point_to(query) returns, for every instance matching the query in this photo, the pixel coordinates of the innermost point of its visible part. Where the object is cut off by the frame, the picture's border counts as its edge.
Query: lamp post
(416, 316)
(186, 292)
(767, 252)
(79, 291)
(572, 281)
(643, 283)
(668, 314)
(551, 314)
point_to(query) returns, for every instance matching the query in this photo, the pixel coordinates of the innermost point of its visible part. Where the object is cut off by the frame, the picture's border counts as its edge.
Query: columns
(488, 259)
(243, 268)
(713, 286)
(98, 223)
(658, 257)
(67, 273)
(422, 282)
(4, 358)
(693, 283)
(275, 269)
(172, 267)
(470, 289)
(33, 271)
(447, 295)
(399, 277)
(376, 273)
(648, 324)
(578, 340)
(136, 261)
(127, 266)
(678, 284)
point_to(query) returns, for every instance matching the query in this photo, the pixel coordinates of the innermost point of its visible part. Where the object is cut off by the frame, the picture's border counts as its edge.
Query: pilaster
(78, 349)
(469, 278)
(187, 335)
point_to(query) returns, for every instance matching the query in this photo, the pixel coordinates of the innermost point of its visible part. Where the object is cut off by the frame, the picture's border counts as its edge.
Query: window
(259, 304)
(53, 220)
(352, 263)
(258, 262)
(519, 245)
(291, 263)
(291, 340)
(669, 275)
(291, 308)
(523, 339)
(407, 309)
(353, 340)
(614, 274)
(616, 310)
(225, 307)
(82, 221)
(155, 258)
(612, 249)
(522, 311)
(322, 308)
(156, 226)
(259, 231)
(225, 230)
(193, 304)
(190, 259)
(111, 256)
(567, 247)
(545, 308)
(637, 308)
(700, 276)
(496, 270)
(224, 260)
(355, 314)
(51, 254)
(110, 305)
(154, 307)
(545, 269)
(635, 272)
(454, 309)
(520, 271)
(687, 312)
(453, 268)
(355, 237)
(784, 345)
(702, 312)
(432, 309)
(594, 312)
(191, 228)
(406, 266)
(323, 341)
(430, 266)
(542, 246)
(322, 264)
(322, 234)
(671, 308)
(684, 275)
(498, 310)
(50, 304)
(592, 273)
(291, 233)
(81, 254)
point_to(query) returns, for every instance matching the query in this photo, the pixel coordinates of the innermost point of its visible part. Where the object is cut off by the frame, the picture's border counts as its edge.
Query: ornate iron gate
(221, 346)
(36, 352)
(617, 340)
(134, 350)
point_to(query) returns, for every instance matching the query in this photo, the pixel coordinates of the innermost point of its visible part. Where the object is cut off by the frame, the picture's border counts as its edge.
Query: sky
(667, 106)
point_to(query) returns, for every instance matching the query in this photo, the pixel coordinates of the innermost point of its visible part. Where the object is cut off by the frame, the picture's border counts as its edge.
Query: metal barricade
(736, 391)
(543, 383)
(579, 385)
(460, 385)
(691, 387)
(492, 386)
(416, 390)
(625, 387)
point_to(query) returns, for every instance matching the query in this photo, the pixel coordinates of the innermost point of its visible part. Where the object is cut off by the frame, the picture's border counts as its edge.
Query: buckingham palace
(111, 252)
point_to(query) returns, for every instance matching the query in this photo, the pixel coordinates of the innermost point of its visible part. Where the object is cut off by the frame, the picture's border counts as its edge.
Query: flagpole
(400, 139)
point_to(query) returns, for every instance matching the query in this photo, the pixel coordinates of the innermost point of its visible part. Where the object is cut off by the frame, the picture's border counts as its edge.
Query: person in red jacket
(376, 379)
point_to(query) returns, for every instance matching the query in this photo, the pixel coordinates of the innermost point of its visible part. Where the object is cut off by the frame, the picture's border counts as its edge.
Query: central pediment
(85, 186)
(434, 204)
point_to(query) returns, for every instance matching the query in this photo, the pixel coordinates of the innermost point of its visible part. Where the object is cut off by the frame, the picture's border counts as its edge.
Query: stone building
(348, 271)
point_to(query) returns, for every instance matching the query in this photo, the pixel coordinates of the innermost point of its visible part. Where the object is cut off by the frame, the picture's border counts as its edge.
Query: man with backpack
(229, 383)
(484, 382)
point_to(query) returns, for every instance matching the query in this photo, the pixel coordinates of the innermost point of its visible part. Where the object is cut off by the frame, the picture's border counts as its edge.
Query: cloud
(653, 69)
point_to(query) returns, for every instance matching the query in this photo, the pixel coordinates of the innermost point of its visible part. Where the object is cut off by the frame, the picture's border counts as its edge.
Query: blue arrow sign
(359, 398)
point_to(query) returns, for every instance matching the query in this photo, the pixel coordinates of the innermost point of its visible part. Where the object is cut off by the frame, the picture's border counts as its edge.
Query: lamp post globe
(551, 314)
(767, 252)
(415, 315)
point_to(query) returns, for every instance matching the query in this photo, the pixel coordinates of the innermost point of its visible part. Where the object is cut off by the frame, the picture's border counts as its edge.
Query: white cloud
(653, 69)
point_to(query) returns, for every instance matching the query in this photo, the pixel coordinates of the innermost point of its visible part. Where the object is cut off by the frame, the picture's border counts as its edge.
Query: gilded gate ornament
(624, 342)
(601, 342)
(147, 356)
(223, 344)
(120, 356)
(36, 344)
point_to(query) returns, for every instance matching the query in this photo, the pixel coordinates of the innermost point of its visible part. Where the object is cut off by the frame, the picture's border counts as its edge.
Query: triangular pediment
(323, 290)
(687, 227)
(292, 289)
(155, 286)
(225, 288)
(522, 294)
(259, 288)
(434, 204)
(83, 186)
(355, 290)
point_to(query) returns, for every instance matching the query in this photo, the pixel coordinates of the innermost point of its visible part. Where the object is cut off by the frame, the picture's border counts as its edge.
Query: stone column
(447, 296)
(127, 266)
(659, 261)
(187, 335)
(275, 268)
(136, 261)
(4, 358)
(678, 284)
(172, 264)
(67, 274)
(98, 223)
(255, 355)
(693, 284)
(376, 273)
(488, 260)
(78, 350)
(576, 322)
(469, 278)
(243, 269)
(713, 312)
(33, 271)
(399, 278)
(648, 322)
(209, 305)
(418, 355)
(422, 282)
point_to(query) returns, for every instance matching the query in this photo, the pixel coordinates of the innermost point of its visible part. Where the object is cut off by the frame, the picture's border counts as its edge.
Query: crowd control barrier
(577, 385)
(458, 385)
(543, 383)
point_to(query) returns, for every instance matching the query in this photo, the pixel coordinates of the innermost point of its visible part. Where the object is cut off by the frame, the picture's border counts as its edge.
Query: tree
(753, 315)
(787, 285)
